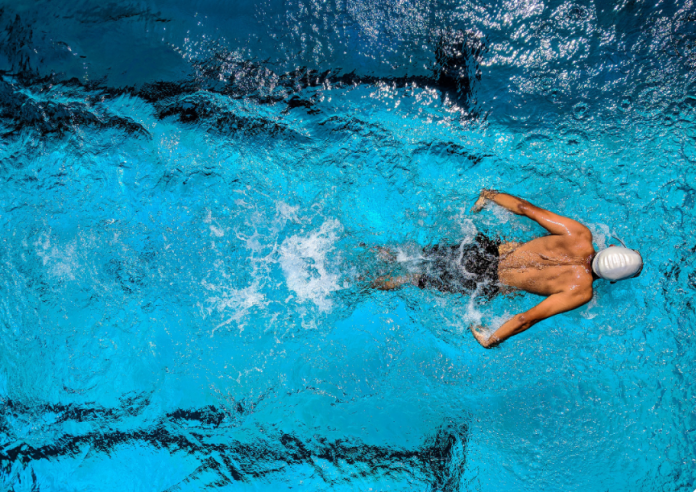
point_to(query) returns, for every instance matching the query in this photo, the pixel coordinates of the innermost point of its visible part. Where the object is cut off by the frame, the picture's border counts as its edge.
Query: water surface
(189, 196)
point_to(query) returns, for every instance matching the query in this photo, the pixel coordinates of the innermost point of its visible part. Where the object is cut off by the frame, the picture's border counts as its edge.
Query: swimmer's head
(617, 263)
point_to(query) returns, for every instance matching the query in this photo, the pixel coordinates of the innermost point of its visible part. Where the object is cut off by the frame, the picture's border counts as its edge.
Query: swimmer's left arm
(554, 223)
(552, 305)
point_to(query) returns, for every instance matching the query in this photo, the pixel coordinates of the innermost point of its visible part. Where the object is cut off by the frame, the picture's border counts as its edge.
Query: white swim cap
(617, 263)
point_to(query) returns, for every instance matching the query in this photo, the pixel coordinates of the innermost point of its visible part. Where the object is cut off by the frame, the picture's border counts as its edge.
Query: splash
(468, 231)
(60, 260)
(234, 304)
(307, 266)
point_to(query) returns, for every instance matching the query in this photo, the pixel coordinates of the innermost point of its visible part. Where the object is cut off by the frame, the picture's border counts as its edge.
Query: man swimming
(561, 266)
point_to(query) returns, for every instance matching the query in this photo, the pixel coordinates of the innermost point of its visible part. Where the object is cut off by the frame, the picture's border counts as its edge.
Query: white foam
(468, 230)
(235, 304)
(303, 259)
(472, 316)
(215, 229)
(589, 311)
(498, 321)
(60, 261)
(500, 215)
(252, 243)
(408, 253)
(459, 317)
(287, 212)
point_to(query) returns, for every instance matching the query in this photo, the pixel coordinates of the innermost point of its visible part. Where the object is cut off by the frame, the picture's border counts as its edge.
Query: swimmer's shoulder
(582, 238)
(579, 244)
(581, 292)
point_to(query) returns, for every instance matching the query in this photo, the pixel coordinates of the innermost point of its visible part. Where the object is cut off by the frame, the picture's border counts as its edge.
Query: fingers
(480, 337)
(478, 205)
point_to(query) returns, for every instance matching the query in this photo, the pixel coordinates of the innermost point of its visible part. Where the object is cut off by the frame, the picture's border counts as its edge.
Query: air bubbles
(651, 102)
(690, 89)
(580, 110)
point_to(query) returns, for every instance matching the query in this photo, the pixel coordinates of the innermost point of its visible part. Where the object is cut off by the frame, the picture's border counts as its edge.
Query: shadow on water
(454, 74)
(225, 460)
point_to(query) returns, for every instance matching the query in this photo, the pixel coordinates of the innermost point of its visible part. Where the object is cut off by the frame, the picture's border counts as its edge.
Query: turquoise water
(189, 197)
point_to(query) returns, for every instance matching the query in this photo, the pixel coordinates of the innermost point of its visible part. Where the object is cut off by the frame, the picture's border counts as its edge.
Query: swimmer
(561, 266)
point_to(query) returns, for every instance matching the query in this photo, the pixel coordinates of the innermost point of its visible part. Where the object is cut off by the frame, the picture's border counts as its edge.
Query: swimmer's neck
(588, 264)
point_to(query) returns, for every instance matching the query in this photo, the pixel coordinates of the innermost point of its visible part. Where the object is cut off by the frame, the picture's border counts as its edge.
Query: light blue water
(185, 188)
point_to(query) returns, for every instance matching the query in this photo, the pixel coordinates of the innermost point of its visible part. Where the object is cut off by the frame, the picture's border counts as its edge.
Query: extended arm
(554, 223)
(554, 304)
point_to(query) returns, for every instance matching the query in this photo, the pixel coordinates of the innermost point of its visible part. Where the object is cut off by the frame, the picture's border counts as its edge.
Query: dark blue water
(189, 196)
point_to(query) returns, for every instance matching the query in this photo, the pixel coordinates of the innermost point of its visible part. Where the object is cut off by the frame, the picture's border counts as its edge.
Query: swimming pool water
(190, 194)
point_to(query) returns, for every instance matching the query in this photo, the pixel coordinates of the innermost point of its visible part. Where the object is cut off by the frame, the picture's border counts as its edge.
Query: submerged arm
(554, 304)
(554, 223)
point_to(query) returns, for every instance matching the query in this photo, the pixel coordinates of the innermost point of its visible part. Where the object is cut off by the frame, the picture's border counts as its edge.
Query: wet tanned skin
(558, 266)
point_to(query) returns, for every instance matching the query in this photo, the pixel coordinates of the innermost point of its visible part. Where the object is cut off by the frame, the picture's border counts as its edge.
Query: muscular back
(550, 265)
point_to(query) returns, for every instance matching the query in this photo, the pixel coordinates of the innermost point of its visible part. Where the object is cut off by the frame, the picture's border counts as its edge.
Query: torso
(549, 265)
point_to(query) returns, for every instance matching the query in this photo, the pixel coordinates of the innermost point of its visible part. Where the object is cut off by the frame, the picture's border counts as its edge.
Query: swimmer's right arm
(552, 305)
(554, 223)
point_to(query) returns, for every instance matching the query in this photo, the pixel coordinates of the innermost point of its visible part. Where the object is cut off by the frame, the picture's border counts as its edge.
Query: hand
(479, 204)
(481, 337)
(485, 194)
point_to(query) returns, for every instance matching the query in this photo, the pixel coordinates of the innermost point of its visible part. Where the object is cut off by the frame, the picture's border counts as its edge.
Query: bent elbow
(525, 323)
(522, 208)
(525, 208)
